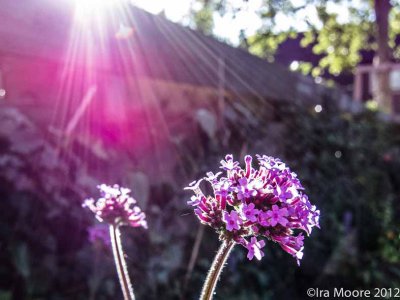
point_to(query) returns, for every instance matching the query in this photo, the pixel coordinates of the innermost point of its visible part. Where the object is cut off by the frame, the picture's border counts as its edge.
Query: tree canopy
(337, 35)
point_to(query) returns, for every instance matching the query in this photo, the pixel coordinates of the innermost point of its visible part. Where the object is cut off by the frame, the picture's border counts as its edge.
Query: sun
(86, 10)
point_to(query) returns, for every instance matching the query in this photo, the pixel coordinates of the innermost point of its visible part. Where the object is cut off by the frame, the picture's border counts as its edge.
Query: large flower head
(116, 207)
(249, 203)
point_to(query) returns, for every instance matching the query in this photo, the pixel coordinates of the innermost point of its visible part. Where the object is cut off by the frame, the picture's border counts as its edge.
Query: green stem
(215, 270)
(120, 263)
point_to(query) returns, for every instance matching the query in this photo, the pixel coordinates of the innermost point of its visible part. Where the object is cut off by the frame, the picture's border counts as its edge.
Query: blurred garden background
(152, 95)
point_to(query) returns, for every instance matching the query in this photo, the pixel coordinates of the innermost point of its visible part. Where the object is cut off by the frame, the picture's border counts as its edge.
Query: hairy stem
(215, 270)
(120, 263)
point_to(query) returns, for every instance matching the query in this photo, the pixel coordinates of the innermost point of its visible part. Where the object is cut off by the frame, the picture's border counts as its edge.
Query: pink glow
(92, 83)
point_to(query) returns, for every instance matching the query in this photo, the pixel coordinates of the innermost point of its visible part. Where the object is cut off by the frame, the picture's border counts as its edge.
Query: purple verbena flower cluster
(249, 203)
(116, 207)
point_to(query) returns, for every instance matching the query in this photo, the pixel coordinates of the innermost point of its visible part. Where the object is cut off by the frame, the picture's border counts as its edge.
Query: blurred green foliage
(337, 29)
(202, 19)
(348, 163)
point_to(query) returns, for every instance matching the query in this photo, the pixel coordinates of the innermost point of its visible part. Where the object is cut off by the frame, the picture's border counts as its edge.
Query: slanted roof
(157, 49)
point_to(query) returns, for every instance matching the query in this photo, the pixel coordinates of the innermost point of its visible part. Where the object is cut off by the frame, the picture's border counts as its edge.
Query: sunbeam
(136, 64)
(101, 100)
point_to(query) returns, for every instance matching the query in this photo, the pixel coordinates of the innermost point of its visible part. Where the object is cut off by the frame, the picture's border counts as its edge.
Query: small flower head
(248, 203)
(116, 207)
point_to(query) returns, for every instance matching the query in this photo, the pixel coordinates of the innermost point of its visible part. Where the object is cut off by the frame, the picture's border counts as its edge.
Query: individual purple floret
(250, 212)
(251, 203)
(275, 216)
(254, 248)
(116, 207)
(232, 220)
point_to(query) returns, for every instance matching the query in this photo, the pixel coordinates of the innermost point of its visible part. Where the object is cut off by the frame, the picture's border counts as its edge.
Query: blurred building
(122, 78)
(359, 84)
(365, 83)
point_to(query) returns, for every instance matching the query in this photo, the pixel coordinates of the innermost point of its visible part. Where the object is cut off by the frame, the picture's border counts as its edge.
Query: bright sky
(225, 27)
(228, 28)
